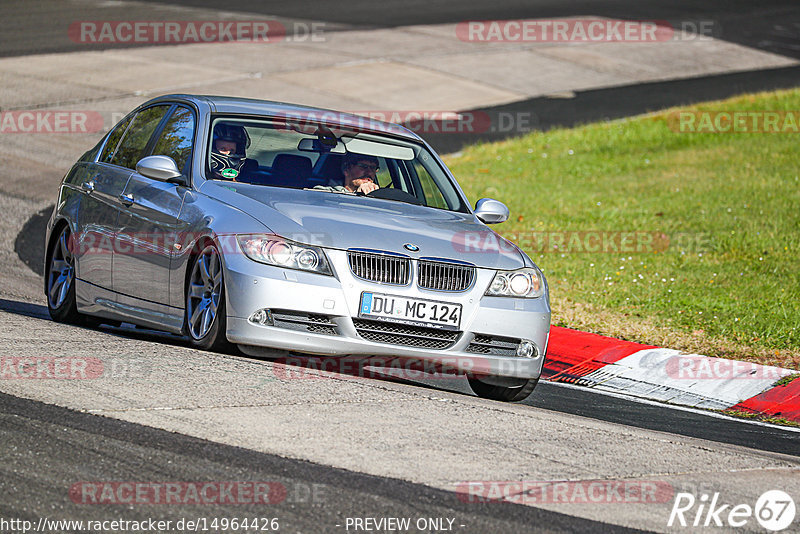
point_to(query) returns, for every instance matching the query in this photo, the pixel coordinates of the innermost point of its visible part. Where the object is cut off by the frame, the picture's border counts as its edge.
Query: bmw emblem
(411, 247)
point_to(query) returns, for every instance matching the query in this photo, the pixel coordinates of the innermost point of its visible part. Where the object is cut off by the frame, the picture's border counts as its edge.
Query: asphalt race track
(771, 26)
(316, 498)
(333, 447)
(381, 448)
(39, 28)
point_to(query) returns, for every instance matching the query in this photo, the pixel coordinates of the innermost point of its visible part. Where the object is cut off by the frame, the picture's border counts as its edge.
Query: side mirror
(491, 211)
(161, 168)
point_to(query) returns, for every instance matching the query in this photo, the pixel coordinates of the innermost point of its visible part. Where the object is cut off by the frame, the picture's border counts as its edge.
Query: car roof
(252, 106)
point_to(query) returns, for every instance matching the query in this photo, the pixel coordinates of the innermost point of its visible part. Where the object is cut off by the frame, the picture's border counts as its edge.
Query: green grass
(760, 417)
(728, 203)
(786, 380)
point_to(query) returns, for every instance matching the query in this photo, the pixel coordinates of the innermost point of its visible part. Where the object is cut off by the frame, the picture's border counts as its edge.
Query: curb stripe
(648, 371)
(572, 354)
(780, 401)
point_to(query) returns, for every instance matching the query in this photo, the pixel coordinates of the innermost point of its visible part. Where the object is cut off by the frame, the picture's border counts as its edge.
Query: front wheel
(61, 281)
(501, 388)
(205, 318)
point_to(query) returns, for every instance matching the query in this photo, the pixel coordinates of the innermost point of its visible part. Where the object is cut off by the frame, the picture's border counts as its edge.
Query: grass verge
(688, 240)
(761, 418)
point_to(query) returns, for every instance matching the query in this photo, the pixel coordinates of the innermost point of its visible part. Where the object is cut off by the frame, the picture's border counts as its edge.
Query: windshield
(324, 160)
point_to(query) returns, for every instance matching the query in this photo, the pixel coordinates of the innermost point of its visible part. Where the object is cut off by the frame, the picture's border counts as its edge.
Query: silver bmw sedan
(287, 229)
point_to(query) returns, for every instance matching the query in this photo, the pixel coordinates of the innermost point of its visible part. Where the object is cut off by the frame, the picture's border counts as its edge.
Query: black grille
(383, 268)
(442, 276)
(494, 345)
(400, 334)
(305, 322)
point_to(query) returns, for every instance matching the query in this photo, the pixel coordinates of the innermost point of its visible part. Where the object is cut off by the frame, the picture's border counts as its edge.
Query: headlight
(522, 283)
(274, 250)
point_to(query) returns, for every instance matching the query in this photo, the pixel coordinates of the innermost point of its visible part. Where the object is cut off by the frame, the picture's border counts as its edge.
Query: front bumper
(251, 286)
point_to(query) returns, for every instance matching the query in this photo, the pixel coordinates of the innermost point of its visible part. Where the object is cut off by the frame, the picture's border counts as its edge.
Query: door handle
(126, 198)
(87, 186)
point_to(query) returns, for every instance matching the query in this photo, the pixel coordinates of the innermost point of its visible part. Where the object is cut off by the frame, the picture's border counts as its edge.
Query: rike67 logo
(774, 510)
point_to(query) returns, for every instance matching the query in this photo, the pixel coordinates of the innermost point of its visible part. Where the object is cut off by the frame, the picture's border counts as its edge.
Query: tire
(60, 276)
(205, 318)
(516, 390)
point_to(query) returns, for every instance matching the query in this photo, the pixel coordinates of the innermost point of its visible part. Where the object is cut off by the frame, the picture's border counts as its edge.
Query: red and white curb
(667, 375)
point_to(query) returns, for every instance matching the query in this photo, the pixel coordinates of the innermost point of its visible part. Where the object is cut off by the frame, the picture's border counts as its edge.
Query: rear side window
(133, 144)
(113, 140)
(176, 138)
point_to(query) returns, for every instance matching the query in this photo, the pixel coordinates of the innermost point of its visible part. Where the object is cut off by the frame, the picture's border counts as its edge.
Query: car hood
(342, 221)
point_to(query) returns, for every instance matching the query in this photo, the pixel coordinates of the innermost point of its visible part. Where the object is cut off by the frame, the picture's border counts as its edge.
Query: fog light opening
(526, 349)
(262, 317)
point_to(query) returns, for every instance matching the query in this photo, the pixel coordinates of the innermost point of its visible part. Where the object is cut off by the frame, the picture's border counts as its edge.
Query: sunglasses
(367, 167)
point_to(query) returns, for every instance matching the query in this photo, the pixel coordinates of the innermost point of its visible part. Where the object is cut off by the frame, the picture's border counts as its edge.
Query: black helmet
(229, 165)
(232, 132)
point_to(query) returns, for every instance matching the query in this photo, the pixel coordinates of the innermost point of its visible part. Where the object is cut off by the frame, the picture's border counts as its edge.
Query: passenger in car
(359, 175)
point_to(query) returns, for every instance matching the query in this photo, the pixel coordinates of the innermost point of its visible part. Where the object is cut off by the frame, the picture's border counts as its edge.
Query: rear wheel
(61, 281)
(502, 388)
(205, 318)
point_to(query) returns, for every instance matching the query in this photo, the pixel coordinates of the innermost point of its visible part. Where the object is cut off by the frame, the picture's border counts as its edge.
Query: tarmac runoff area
(422, 75)
(436, 438)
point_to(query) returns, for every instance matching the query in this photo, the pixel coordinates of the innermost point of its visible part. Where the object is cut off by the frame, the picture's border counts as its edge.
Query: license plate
(419, 312)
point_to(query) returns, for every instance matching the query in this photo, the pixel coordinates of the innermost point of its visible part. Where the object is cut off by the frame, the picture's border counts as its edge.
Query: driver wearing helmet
(228, 147)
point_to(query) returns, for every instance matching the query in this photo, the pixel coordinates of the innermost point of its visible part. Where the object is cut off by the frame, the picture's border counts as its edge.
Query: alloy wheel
(203, 294)
(61, 275)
